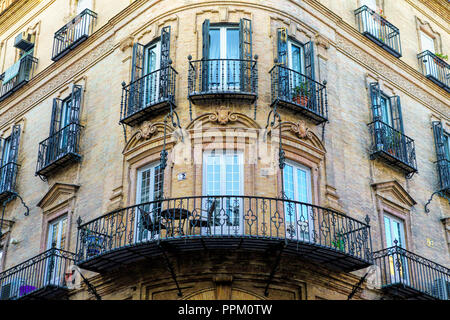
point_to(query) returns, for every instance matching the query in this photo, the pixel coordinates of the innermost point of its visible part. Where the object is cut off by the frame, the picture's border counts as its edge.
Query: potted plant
(393, 142)
(439, 60)
(94, 244)
(301, 94)
(339, 242)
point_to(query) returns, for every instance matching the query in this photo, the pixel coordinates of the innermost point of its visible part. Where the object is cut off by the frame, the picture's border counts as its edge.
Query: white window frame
(56, 276)
(153, 93)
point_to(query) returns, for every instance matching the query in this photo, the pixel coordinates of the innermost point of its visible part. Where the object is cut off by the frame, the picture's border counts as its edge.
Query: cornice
(32, 94)
(16, 12)
(441, 7)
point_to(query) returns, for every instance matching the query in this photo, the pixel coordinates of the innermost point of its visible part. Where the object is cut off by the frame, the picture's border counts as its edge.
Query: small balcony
(72, 34)
(299, 93)
(435, 69)
(379, 30)
(8, 174)
(41, 277)
(148, 95)
(222, 80)
(17, 76)
(406, 275)
(444, 175)
(191, 224)
(393, 147)
(59, 150)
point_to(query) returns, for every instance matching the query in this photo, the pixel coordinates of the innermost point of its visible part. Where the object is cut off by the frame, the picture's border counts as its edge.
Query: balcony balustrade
(8, 174)
(299, 93)
(148, 95)
(435, 69)
(59, 149)
(25, 71)
(410, 276)
(393, 147)
(72, 34)
(41, 277)
(379, 30)
(222, 79)
(187, 224)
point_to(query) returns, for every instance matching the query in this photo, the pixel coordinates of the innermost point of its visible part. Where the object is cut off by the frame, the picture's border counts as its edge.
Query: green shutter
(205, 49)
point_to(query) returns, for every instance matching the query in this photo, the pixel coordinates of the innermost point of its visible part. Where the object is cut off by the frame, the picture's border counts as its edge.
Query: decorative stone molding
(146, 131)
(301, 130)
(392, 192)
(222, 117)
(446, 223)
(59, 195)
(428, 29)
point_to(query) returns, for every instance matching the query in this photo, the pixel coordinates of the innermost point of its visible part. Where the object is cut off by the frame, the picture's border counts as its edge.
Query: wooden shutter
(75, 105)
(164, 64)
(56, 113)
(282, 38)
(15, 140)
(245, 53)
(375, 100)
(309, 59)
(283, 73)
(443, 166)
(137, 68)
(396, 108)
(205, 51)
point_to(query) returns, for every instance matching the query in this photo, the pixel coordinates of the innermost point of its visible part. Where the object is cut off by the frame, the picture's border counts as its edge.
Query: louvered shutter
(442, 163)
(205, 51)
(55, 120)
(164, 64)
(397, 119)
(75, 105)
(309, 71)
(137, 71)
(375, 100)
(245, 53)
(13, 156)
(283, 73)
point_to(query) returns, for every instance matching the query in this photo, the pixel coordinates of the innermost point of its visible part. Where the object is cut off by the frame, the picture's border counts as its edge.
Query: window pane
(387, 229)
(232, 44)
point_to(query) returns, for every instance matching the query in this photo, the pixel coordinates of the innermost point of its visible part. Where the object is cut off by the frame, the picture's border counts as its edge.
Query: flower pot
(296, 99)
(304, 100)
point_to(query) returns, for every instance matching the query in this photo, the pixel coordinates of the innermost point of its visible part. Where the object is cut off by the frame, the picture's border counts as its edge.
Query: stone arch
(223, 117)
(144, 132)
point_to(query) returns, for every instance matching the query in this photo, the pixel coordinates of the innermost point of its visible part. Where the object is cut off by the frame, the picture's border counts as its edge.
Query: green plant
(301, 90)
(339, 242)
(442, 56)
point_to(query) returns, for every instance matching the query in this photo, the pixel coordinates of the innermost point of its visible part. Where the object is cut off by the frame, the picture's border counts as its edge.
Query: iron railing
(64, 142)
(300, 92)
(412, 274)
(434, 68)
(73, 33)
(379, 30)
(44, 272)
(212, 78)
(148, 94)
(25, 73)
(219, 220)
(8, 173)
(444, 174)
(393, 146)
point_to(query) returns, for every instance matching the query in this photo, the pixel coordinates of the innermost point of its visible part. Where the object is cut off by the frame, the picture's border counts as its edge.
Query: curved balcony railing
(435, 69)
(8, 174)
(298, 92)
(24, 74)
(42, 276)
(379, 30)
(393, 146)
(147, 95)
(73, 33)
(60, 148)
(408, 275)
(219, 222)
(223, 79)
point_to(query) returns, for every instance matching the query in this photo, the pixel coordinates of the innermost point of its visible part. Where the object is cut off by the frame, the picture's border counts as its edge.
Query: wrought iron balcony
(435, 69)
(410, 276)
(299, 93)
(222, 79)
(148, 95)
(41, 277)
(59, 149)
(393, 147)
(8, 174)
(317, 234)
(379, 30)
(24, 74)
(72, 34)
(444, 174)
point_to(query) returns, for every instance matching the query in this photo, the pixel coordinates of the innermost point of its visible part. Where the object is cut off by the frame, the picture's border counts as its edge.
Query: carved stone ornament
(301, 130)
(223, 116)
(146, 130)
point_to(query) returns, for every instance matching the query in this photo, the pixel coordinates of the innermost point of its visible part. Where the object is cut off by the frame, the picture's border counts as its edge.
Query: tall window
(224, 44)
(394, 229)
(83, 4)
(296, 62)
(57, 235)
(223, 176)
(8, 161)
(149, 182)
(152, 61)
(446, 137)
(427, 42)
(297, 187)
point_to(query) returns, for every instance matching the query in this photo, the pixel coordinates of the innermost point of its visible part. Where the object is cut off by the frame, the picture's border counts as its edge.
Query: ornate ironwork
(149, 94)
(72, 34)
(59, 149)
(8, 174)
(379, 30)
(212, 79)
(435, 69)
(202, 221)
(393, 147)
(40, 276)
(298, 92)
(25, 73)
(409, 275)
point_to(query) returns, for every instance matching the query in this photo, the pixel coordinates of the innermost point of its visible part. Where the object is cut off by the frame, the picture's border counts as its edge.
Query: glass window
(386, 112)
(83, 4)
(427, 42)
(371, 4)
(152, 64)
(57, 233)
(447, 145)
(394, 231)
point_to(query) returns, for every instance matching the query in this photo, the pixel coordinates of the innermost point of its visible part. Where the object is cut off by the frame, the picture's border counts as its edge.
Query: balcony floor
(404, 292)
(13, 89)
(62, 161)
(205, 97)
(69, 48)
(392, 160)
(50, 292)
(325, 256)
(147, 112)
(382, 44)
(438, 82)
(308, 113)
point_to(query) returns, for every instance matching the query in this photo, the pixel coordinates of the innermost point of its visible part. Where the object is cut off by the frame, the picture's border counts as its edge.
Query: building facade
(294, 149)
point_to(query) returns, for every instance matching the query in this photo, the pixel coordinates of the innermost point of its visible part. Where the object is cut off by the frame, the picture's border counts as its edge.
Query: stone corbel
(323, 44)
